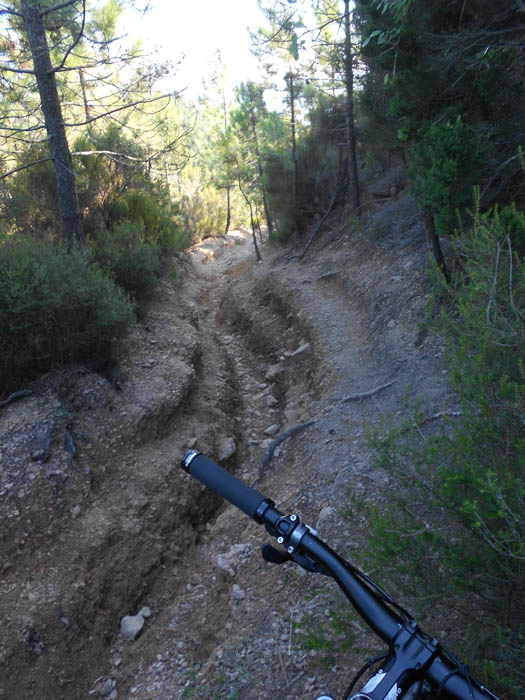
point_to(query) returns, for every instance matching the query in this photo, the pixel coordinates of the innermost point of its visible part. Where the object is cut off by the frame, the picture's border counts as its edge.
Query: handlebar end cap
(188, 459)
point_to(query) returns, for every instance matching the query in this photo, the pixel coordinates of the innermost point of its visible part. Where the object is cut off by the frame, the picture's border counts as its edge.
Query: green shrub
(162, 222)
(204, 212)
(485, 478)
(29, 201)
(467, 473)
(445, 164)
(132, 262)
(55, 309)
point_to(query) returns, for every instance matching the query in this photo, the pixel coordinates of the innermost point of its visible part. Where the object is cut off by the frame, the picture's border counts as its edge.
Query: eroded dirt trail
(238, 625)
(230, 355)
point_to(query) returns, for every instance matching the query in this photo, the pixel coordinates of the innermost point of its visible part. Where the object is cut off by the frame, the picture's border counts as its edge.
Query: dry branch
(366, 394)
(15, 395)
(268, 455)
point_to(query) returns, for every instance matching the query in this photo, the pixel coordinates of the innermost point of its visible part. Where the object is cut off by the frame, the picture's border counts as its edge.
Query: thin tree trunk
(228, 188)
(83, 87)
(291, 90)
(51, 108)
(228, 210)
(261, 173)
(350, 125)
(252, 221)
(433, 242)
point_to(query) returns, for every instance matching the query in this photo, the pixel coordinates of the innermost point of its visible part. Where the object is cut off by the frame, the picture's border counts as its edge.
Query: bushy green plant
(131, 261)
(467, 476)
(204, 212)
(445, 164)
(317, 155)
(162, 222)
(55, 309)
(485, 478)
(30, 197)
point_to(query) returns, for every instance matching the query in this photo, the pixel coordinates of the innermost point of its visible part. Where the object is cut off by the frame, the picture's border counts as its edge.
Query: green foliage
(455, 105)
(470, 473)
(485, 476)
(445, 164)
(162, 223)
(30, 202)
(204, 212)
(130, 260)
(317, 167)
(54, 309)
(328, 637)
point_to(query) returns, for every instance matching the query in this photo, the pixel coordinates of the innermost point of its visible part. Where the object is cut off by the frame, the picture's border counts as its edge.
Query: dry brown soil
(98, 519)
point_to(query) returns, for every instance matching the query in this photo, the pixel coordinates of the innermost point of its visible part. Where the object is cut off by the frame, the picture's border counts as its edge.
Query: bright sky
(196, 30)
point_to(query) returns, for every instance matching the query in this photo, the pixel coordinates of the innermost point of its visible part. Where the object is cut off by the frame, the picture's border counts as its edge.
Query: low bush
(467, 476)
(55, 309)
(445, 163)
(132, 262)
(205, 212)
(162, 222)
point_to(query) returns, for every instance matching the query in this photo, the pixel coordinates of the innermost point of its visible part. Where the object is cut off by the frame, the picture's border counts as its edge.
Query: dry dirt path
(237, 626)
(230, 354)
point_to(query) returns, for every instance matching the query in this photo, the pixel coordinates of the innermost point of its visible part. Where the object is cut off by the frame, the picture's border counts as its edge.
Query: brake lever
(276, 556)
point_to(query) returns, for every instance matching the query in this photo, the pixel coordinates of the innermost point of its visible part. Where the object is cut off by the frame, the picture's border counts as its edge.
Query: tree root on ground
(268, 455)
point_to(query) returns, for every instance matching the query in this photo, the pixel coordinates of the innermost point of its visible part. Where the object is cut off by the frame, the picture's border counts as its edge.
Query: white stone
(273, 372)
(131, 626)
(226, 449)
(237, 593)
(302, 348)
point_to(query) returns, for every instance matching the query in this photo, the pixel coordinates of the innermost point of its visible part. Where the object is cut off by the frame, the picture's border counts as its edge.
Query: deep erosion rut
(229, 356)
(93, 532)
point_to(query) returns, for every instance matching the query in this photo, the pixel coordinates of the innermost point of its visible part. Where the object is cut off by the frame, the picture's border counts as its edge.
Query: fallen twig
(366, 394)
(435, 416)
(15, 395)
(327, 275)
(268, 455)
(440, 414)
(295, 678)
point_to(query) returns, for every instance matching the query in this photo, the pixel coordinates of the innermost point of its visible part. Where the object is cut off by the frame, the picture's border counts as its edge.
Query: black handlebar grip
(222, 482)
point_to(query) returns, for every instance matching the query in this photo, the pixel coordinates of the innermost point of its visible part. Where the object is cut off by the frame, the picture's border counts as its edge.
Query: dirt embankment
(98, 520)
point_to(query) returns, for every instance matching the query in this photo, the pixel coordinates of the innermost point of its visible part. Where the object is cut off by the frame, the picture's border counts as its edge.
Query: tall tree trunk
(51, 108)
(350, 125)
(433, 242)
(291, 92)
(261, 172)
(228, 187)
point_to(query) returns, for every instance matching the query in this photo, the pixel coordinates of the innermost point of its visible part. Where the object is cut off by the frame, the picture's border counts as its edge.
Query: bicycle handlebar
(222, 482)
(393, 629)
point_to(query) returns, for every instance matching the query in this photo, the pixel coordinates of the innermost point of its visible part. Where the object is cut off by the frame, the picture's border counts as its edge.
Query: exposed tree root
(366, 394)
(268, 455)
(15, 395)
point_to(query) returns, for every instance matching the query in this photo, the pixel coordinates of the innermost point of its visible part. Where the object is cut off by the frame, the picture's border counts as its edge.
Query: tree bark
(433, 242)
(228, 210)
(252, 220)
(350, 124)
(51, 108)
(261, 172)
(83, 87)
(291, 91)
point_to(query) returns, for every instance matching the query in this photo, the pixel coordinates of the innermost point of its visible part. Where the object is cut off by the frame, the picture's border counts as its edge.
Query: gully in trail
(324, 345)
(97, 533)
